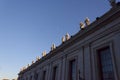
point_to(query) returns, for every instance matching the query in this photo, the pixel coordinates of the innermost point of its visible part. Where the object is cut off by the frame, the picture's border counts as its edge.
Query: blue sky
(28, 27)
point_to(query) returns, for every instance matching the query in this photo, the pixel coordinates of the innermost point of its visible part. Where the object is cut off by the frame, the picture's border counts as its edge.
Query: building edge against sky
(91, 54)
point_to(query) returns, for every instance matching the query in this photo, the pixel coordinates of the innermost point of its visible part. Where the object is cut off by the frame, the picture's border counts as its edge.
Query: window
(44, 75)
(72, 70)
(105, 64)
(36, 76)
(55, 70)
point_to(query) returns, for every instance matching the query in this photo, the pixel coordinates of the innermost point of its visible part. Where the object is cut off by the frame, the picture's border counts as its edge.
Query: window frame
(95, 59)
(71, 67)
(69, 59)
(44, 75)
(54, 75)
(100, 62)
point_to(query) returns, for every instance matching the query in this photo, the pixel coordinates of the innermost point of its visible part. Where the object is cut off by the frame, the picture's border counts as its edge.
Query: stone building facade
(91, 54)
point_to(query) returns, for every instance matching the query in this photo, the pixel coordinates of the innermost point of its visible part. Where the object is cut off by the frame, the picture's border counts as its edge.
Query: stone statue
(63, 39)
(24, 68)
(87, 21)
(112, 2)
(53, 47)
(67, 36)
(44, 53)
(32, 61)
(37, 58)
(82, 25)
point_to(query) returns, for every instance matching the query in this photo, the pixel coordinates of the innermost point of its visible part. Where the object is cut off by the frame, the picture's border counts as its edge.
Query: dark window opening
(44, 75)
(55, 70)
(36, 76)
(105, 64)
(72, 70)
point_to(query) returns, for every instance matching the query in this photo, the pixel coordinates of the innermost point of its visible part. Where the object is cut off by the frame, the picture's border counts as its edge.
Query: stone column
(40, 74)
(87, 62)
(49, 71)
(116, 54)
(80, 64)
(60, 70)
(63, 75)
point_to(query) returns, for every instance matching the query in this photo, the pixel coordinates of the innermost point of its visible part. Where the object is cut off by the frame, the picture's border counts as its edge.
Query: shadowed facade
(91, 54)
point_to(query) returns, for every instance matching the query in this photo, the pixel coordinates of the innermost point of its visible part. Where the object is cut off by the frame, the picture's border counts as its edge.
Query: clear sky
(28, 27)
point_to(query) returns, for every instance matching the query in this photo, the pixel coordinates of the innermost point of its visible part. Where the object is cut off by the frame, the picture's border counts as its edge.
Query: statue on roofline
(87, 21)
(63, 39)
(32, 61)
(82, 25)
(112, 2)
(44, 53)
(67, 36)
(53, 47)
(37, 58)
